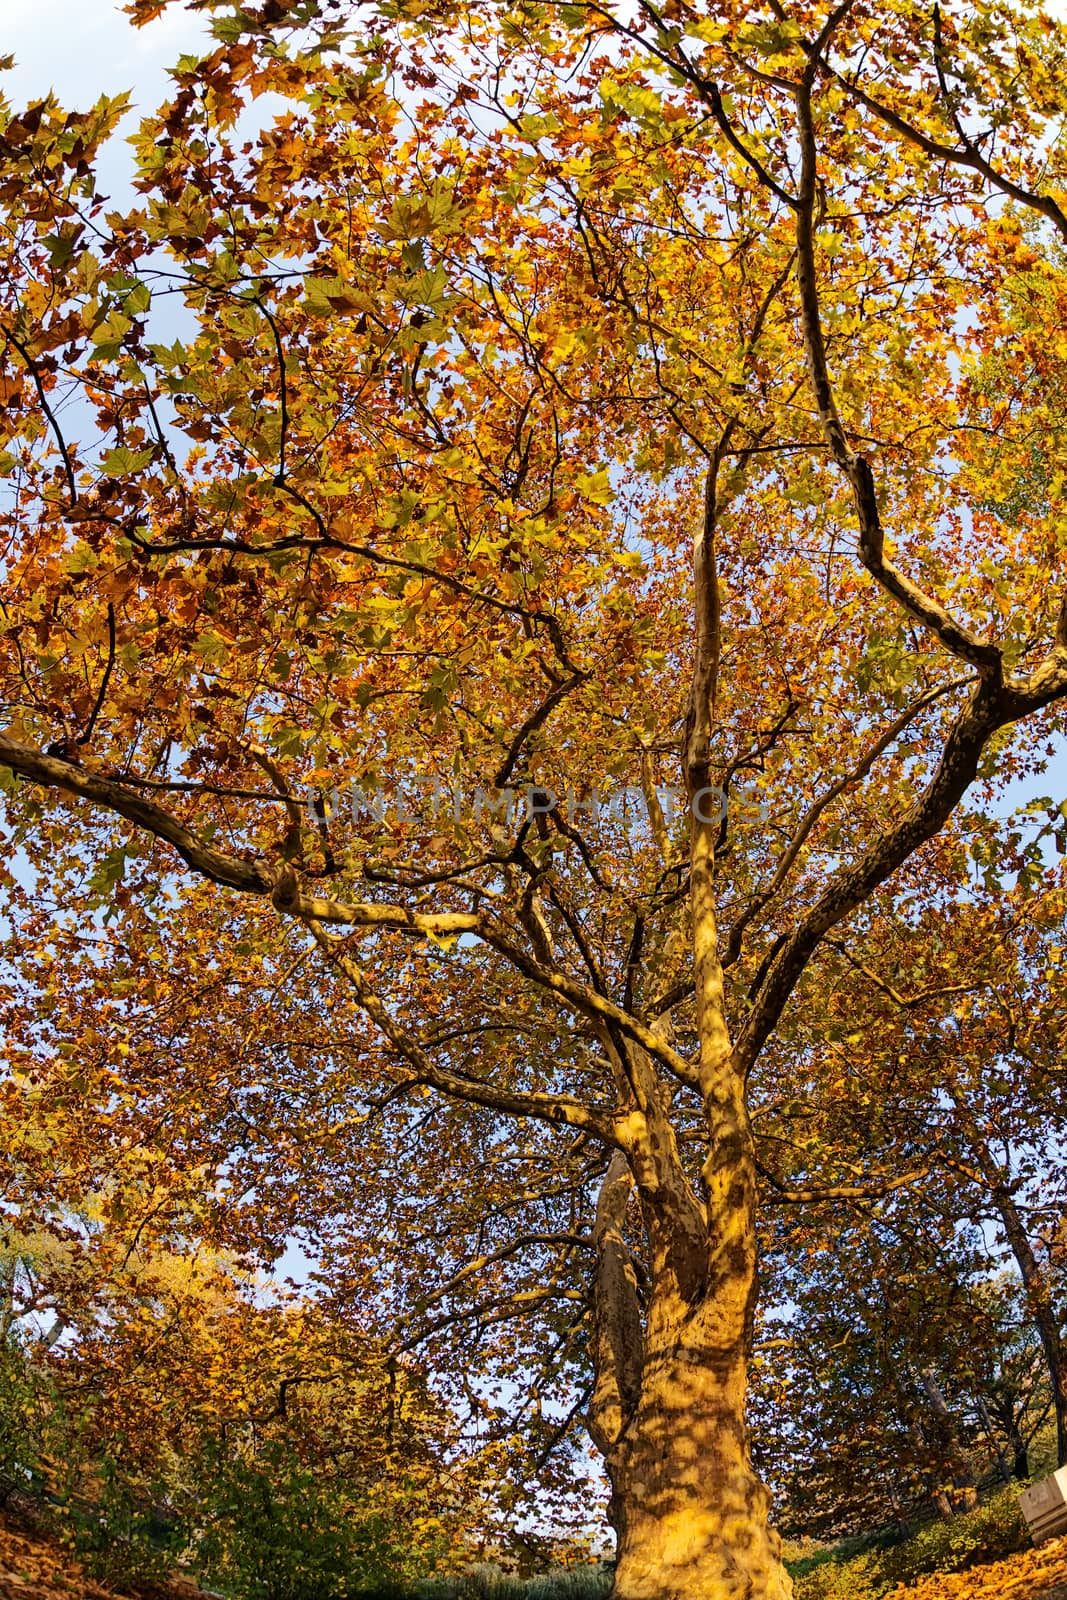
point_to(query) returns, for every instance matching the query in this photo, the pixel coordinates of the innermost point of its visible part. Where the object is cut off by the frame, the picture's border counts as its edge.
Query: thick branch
(914, 600)
(251, 877)
(551, 1108)
(969, 156)
(803, 831)
(987, 710)
(874, 1190)
(618, 1335)
(280, 883)
(581, 996)
(704, 826)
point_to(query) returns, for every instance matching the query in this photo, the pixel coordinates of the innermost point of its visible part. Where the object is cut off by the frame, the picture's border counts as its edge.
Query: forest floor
(35, 1566)
(1039, 1574)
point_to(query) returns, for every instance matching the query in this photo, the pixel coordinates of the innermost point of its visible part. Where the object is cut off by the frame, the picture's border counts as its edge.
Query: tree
(900, 1375)
(955, 1070)
(413, 491)
(178, 1415)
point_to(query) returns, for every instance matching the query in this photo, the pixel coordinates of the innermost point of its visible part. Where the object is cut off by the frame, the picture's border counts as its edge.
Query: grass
(491, 1583)
(995, 1530)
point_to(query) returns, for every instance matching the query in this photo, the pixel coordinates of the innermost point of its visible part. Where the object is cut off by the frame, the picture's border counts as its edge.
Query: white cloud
(81, 49)
(84, 48)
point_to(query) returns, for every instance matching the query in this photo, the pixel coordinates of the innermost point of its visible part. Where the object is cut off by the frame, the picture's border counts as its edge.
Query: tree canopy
(517, 547)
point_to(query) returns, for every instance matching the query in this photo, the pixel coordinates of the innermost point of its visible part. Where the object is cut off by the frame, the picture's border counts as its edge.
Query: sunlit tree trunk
(690, 1513)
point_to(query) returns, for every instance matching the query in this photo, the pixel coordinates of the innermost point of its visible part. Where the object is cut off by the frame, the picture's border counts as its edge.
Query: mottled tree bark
(668, 1411)
(692, 1520)
(689, 1512)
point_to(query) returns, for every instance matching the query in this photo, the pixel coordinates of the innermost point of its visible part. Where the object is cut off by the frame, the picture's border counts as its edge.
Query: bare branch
(472, 1268)
(816, 809)
(987, 710)
(554, 1109)
(874, 1190)
(537, 719)
(31, 365)
(906, 1002)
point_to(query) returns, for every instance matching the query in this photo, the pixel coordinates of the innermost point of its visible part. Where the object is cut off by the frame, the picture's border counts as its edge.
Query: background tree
(267, 1449)
(963, 1082)
(899, 1378)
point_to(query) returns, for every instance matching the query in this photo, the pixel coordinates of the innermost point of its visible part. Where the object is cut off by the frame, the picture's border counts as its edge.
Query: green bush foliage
(118, 1525)
(254, 1523)
(995, 1530)
(274, 1529)
(21, 1424)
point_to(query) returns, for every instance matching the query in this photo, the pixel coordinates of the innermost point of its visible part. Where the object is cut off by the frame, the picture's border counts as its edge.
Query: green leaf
(596, 486)
(61, 247)
(108, 873)
(413, 255)
(139, 299)
(83, 558)
(120, 462)
(212, 648)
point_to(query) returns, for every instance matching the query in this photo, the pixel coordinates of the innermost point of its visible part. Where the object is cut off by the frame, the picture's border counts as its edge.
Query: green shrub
(489, 1582)
(19, 1425)
(995, 1530)
(118, 1528)
(274, 1530)
(857, 1579)
(576, 1583)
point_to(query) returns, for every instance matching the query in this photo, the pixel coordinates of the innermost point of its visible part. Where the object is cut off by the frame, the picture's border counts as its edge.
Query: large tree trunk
(668, 1406)
(691, 1515)
(668, 1412)
(1043, 1311)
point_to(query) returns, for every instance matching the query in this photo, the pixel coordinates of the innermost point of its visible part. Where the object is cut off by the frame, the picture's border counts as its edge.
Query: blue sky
(81, 49)
(85, 48)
